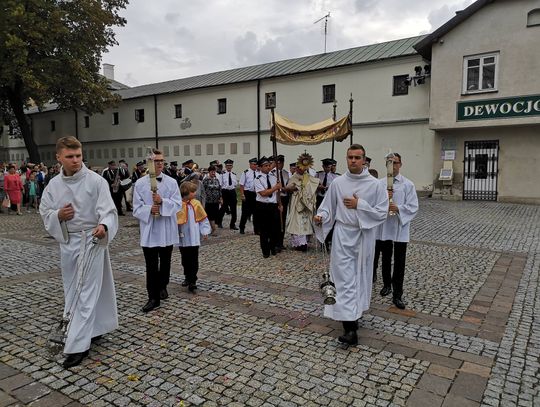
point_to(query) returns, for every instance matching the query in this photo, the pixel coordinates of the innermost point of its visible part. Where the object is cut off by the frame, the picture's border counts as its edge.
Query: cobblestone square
(254, 333)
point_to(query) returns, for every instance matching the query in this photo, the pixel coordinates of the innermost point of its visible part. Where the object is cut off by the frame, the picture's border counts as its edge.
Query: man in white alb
(79, 213)
(354, 205)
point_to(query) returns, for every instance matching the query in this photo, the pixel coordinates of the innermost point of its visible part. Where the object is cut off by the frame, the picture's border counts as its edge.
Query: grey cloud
(365, 6)
(172, 18)
(441, 15)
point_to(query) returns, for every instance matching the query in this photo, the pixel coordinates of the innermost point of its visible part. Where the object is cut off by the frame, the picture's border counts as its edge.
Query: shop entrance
(481, 169)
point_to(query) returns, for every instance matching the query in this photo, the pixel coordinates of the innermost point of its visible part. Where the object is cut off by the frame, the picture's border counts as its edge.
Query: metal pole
(273, 134)
(156, 121)
(259, 118)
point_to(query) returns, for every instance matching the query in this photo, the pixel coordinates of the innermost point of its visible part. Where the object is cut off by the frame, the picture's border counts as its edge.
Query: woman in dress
(13, 187)
(212, 190)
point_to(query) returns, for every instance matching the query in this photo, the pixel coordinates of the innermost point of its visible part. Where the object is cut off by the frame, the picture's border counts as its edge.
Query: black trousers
(395, 279)
(190, 263)
(248, 209)
(268, 219)
(283, 218)
(117, 199)
(158, 269)
(229, 204)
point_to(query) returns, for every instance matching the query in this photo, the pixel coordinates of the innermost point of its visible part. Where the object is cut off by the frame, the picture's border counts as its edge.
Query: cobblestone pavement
(254, 333)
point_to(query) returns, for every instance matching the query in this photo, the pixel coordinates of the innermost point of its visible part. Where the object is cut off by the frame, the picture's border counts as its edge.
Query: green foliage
(50, 51)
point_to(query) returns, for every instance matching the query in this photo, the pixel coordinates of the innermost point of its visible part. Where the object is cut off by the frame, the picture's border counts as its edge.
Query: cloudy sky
(172, 39)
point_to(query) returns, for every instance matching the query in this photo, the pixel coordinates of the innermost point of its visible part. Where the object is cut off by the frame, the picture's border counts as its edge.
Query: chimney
(108, 71)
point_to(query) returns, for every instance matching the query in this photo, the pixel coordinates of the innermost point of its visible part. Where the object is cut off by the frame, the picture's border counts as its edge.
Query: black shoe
(220, 226)
(266, 255)
(398, 303)
(74, 359)
(96, 338)
(121, 214)
(192, 288)
(273, 252)
(234, 227)
(185, 283)
(129, 209)
(163, 294)
(385, 291)
(278, 249)
(242, 232)
(151, 305)
(349, 338)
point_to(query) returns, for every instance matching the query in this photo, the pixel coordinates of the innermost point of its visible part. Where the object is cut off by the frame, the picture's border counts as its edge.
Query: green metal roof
(352, 56)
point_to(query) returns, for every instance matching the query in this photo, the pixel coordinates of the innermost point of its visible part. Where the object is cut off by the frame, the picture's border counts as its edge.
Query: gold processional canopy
(286, 131)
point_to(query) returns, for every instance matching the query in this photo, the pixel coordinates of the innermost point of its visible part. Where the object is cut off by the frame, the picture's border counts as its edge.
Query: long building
(461, 105)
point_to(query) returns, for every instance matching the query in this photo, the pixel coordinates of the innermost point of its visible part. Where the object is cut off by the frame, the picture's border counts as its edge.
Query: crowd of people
(355, 216)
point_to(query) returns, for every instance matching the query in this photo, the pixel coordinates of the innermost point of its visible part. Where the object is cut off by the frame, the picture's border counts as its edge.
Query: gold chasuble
(198, 210)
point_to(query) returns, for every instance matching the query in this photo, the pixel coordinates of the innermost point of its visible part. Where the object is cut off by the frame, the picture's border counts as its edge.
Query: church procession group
(355, 216)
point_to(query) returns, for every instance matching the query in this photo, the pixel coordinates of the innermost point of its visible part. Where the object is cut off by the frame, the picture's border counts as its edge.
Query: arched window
(533, 17)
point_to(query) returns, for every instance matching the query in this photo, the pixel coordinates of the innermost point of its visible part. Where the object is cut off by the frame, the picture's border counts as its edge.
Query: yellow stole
(198, 210)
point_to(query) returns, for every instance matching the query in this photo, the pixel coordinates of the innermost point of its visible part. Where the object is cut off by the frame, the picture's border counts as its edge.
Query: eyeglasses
(159, 161)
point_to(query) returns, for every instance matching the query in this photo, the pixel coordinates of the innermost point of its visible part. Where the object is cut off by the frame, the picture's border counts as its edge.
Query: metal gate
(481, 168)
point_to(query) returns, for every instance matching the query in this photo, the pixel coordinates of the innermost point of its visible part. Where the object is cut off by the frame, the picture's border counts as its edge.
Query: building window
(114, 153)
(53, 125)
(328, 93)
(122, 153)
(115, 119)
(187, 153)
(480, 73)
(197, 149)
(177, 111)
(166, 151)
(221, 148)
(270, 100)
(86, 121)
(98, 153)
(176, 151)
(209, 149)
(139, 152)
(105, 153)
(130, 152)
(49, 154)
(234, 148)
(400, 85)
(246, 148)
(139, 115)
(533, 17)
(222, 106)
(91, 154)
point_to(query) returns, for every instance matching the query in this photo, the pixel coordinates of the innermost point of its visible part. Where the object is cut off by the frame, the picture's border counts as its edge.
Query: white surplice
(353, 241)
(90, 297)
(397, 228)
(157, 231)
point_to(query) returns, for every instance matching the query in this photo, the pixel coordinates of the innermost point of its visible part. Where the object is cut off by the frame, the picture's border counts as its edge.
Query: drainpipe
(76, 124)
(258, 118)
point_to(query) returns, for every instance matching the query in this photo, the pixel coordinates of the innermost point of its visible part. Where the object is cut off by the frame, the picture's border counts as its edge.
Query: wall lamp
(420, 75)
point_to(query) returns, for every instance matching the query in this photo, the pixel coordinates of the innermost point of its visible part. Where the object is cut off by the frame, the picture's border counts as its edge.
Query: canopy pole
(334, 118)
(351, 116)
(273, 135)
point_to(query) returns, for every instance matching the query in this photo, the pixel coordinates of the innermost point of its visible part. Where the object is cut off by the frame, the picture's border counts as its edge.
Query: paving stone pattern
(255, 335)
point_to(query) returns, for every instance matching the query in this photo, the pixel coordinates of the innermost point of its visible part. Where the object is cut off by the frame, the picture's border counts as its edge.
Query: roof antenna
(325, 18)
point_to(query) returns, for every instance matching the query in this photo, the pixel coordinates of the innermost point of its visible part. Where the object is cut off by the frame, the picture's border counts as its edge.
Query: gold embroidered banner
(289, 132)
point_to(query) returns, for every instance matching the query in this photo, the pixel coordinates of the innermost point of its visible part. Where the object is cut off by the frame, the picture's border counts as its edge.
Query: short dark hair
(212, 168)
(156, 151)
(398, 156)
(357, 147)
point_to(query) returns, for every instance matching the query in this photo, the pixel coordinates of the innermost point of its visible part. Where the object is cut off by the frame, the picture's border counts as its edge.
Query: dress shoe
(273, 252)
(163, 294)
(278, 249)
(242, 232)
(192, 288)
(185, 283)
(234, 228)
(74, 359)
(266, 255)
(220, 226)
(349, 338)
(151, 305)
(96, 338)
(398, 303)
(385, 291)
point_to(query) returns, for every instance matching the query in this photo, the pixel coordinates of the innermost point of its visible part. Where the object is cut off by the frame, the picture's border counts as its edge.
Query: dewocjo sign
(499, 108)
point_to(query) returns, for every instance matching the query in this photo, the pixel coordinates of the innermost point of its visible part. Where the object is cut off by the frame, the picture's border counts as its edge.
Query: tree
(50, 52)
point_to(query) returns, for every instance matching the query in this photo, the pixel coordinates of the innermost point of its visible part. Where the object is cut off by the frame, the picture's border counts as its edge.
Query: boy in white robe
(354, 205)
(393, 234)
(192, 223)
(156, 213)
(79, 213)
